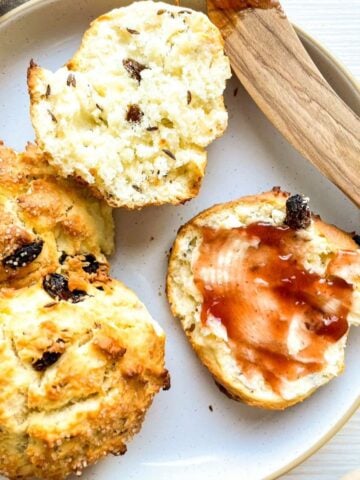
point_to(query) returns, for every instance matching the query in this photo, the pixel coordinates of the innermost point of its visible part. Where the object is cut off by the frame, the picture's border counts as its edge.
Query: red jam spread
(253, 282)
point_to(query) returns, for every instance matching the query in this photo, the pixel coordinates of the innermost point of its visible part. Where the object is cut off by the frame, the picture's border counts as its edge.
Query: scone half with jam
(133, 111)
(266, 292)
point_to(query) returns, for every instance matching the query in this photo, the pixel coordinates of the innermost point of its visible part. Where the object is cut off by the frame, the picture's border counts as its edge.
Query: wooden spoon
(270, 61)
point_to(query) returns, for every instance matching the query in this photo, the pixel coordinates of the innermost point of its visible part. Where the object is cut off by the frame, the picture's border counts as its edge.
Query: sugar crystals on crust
(45, 219)
(78, 371)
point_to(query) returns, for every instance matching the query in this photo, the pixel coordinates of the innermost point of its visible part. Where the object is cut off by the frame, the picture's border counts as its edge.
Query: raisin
(298, 213)
(134, 68)
(92, 265)
(23, 255)
(134, 114)
(63, 257)
(47, 359)
(356, 239)
(57, 286)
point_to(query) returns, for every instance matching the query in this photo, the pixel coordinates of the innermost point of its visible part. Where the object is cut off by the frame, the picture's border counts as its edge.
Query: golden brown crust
(36, 207)
(93, 397)
(339, 238)
(81, 358)
(336, 237)
(342, 240)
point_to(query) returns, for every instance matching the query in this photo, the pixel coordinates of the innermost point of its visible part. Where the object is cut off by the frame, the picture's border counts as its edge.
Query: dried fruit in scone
(266, 293)
(133, 111)
(78, 371)
(46, 220)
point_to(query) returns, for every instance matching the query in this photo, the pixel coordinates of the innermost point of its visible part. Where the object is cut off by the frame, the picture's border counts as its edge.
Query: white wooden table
(335, 24)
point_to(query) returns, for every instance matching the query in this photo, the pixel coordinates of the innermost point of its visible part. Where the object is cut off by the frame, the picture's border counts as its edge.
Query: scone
(78, 372)
(45, 220)
(133, 111)
(265, 292)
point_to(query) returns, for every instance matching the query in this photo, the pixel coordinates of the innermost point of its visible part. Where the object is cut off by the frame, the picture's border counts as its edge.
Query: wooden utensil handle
(271, 63)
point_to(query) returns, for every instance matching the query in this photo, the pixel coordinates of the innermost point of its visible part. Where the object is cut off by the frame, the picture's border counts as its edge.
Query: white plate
(181, 438)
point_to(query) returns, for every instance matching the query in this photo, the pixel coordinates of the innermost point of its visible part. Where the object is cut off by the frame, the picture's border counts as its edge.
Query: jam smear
(280, 318)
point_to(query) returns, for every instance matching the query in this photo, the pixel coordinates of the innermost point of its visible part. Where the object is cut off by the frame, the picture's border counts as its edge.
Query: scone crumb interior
(133, 111)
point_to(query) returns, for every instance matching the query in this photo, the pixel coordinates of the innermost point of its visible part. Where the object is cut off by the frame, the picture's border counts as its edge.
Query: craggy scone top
(78, 372)
(44, 219)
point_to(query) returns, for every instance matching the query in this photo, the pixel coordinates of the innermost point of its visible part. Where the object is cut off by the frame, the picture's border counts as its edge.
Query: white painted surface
(333, 23)
(336, 24)
(337, 458)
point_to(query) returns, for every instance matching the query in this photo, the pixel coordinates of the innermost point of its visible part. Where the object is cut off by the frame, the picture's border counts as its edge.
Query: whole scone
(265, 292)
(133, 111)
(78, 371)
(45, 219)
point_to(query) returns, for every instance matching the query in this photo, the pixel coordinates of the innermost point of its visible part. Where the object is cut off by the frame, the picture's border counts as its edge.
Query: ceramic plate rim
(29, 4)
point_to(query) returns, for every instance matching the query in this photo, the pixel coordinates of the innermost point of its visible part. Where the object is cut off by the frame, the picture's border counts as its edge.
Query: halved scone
(266, 292)
(133, 111)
